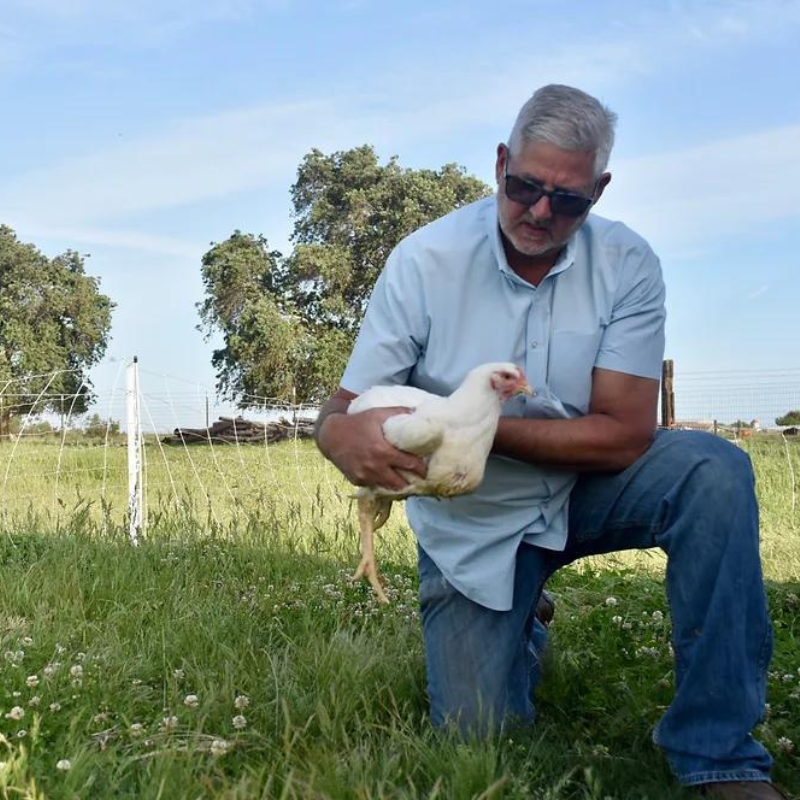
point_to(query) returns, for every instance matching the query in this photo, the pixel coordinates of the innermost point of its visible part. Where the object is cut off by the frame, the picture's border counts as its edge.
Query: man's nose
(541, 208)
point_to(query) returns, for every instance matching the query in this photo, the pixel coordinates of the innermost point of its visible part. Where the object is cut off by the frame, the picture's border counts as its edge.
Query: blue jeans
(692, 495)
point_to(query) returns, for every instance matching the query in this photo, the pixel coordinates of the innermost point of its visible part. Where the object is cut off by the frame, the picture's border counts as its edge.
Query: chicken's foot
(372, 513)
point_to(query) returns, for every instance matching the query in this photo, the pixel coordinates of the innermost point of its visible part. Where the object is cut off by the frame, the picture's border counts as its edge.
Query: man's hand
(356, 445)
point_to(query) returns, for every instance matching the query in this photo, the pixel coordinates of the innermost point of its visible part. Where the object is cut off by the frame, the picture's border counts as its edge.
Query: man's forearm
(335, 405)
(593, 443)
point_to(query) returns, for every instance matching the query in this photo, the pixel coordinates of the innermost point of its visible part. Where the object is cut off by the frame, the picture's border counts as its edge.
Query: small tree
(789, 418)
(54, 326)
(98, 428)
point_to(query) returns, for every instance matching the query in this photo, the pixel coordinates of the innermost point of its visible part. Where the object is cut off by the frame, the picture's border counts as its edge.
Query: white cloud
(73, 237)
(722, 188)
(758, 292)
(194, 160)
(682, 197)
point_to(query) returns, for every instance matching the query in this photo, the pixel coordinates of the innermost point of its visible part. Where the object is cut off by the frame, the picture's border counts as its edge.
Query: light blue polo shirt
(447, 301)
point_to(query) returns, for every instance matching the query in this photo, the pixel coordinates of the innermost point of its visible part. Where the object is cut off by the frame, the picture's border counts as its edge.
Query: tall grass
(229, 657)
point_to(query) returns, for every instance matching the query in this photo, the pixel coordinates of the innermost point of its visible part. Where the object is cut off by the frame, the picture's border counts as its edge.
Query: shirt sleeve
(394, 331)
(633, 340)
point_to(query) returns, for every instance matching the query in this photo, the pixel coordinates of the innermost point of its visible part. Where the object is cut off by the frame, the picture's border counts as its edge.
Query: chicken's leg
(372, 513)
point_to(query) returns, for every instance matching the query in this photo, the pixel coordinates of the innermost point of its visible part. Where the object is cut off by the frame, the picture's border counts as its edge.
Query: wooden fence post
(667, 395)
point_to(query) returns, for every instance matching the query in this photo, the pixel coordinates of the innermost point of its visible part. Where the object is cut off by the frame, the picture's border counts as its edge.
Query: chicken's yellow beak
(525, 389)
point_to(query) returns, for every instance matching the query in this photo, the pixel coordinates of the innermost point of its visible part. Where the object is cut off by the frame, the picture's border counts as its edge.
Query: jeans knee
(719, 470)
(711, 509)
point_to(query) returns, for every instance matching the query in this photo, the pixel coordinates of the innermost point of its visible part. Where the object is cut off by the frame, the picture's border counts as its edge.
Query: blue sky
(139, 131)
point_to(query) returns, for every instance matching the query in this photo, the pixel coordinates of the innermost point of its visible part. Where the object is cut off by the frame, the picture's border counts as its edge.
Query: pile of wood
(238, 430)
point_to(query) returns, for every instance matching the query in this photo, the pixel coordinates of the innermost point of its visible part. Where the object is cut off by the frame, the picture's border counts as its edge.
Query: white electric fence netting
(154, 444)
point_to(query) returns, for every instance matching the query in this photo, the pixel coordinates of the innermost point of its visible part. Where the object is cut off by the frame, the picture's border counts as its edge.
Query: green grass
(250, 599)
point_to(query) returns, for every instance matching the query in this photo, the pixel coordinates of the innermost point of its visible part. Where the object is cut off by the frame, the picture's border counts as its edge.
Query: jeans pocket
(434, 589)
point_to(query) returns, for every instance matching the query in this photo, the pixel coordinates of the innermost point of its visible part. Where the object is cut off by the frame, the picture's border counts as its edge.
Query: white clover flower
(54, 707)
(137, 729)
(64, 765)
(34, 701)
(103, 716)
(169, 723)
(178, 674)
(191, 701)
(32, 681)
(219, 747)
(76, 670)
(27, 641)
(60, 649)
(16, 694)
(626, 626)
(785, 744)
(77, 683)
(787, 678)
(50, 669)
(80, 656)
(657, 616)
(16, 713)
(136, 682)
(241, 702)
(239, 722)
(22, 733)
(611, 601)
(617, 620)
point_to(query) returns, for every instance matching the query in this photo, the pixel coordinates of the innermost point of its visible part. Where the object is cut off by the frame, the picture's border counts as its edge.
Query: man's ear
(601, 184)
(500, 164)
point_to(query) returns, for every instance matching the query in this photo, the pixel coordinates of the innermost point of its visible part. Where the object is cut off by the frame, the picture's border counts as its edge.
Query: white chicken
(454, 434)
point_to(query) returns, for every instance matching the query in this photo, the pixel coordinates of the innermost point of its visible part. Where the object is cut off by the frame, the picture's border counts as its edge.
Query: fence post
(667, 395)
(134, 426)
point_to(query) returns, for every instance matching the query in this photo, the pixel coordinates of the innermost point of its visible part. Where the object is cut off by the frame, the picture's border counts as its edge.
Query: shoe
(545, 608)
(741, 790)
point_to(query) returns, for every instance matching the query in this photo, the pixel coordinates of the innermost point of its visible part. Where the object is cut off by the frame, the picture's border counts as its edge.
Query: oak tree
(288, 323)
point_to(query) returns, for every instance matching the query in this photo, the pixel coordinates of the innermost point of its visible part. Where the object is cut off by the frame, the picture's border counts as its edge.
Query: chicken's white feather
(383, 396)
(454, 434)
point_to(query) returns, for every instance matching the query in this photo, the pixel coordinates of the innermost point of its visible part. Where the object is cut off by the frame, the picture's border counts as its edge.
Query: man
(530, 276)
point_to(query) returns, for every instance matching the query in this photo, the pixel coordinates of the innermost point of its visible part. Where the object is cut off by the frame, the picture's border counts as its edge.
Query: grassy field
(229, 657)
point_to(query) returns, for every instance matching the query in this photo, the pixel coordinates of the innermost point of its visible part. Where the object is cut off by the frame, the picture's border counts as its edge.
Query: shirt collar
(565, 260)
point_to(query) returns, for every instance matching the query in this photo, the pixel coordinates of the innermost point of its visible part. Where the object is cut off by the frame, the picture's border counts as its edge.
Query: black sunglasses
(528, 193)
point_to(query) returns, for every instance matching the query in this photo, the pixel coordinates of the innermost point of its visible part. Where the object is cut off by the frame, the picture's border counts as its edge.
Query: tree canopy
(54, 325)
(288, 323)
(789, 418)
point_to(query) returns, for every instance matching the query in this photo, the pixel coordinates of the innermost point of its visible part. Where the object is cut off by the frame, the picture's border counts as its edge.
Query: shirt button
(534, 345)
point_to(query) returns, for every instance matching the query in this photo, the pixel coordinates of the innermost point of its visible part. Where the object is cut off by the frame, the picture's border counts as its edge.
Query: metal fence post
(135, 472)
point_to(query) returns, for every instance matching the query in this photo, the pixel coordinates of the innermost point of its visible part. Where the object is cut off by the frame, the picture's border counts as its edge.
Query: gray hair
(567, 118)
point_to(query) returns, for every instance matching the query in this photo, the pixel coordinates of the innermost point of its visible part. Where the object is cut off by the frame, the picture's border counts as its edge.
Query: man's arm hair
(618, 428)
(355, 443)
